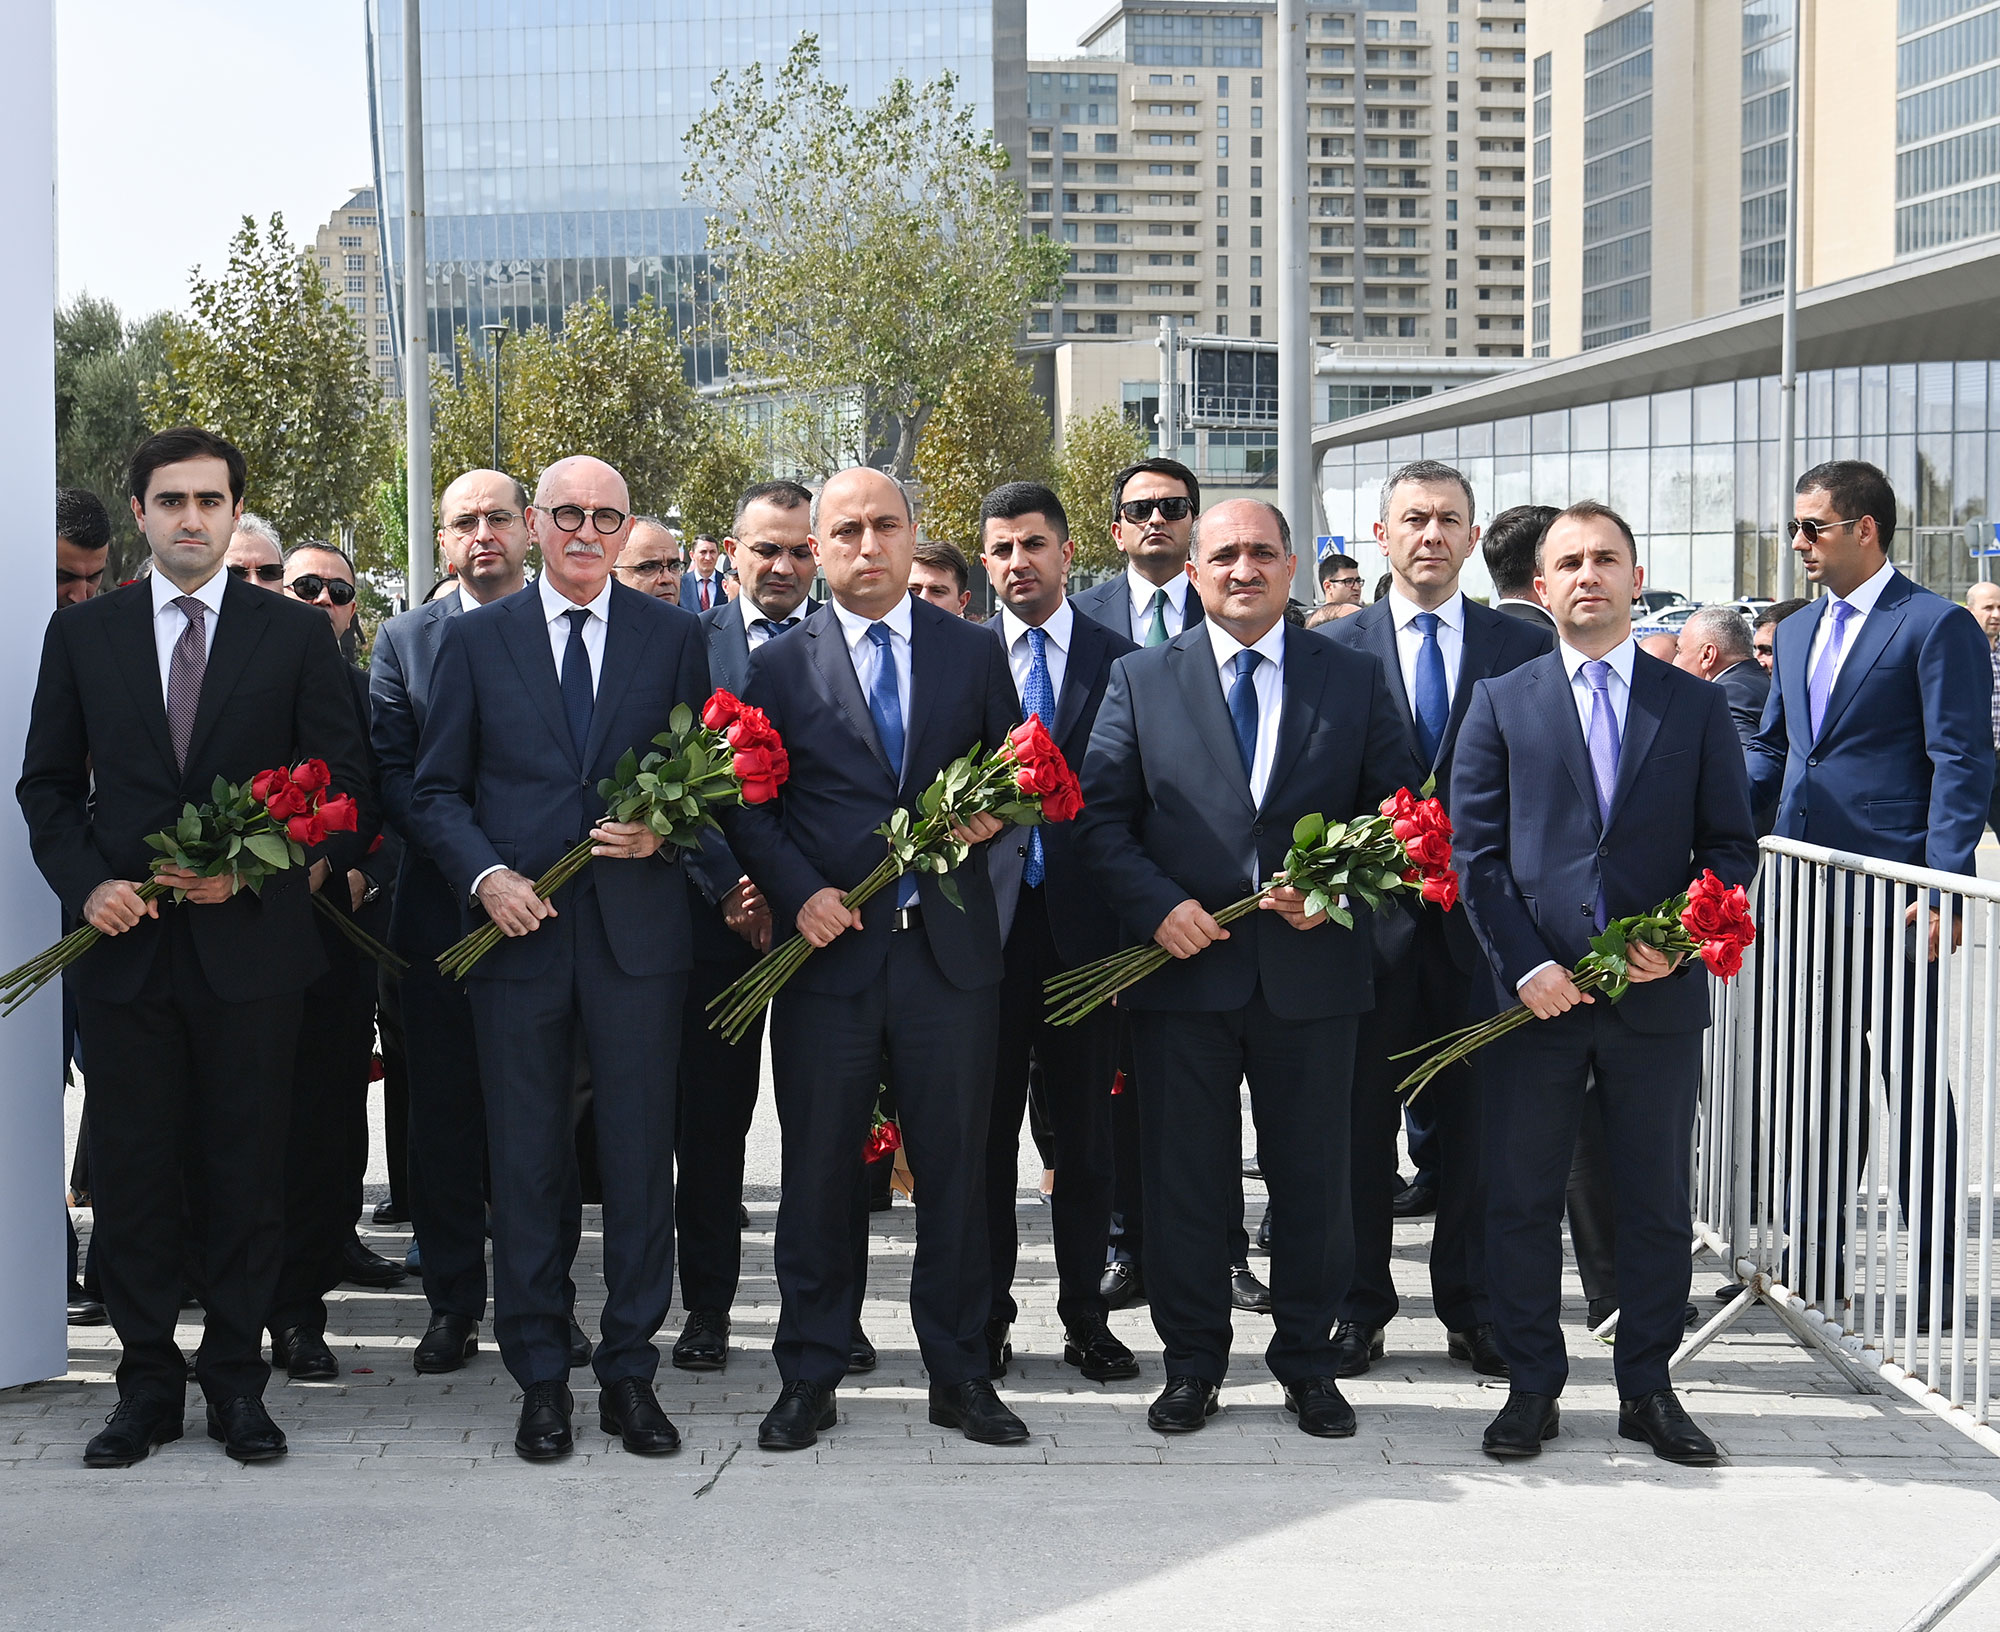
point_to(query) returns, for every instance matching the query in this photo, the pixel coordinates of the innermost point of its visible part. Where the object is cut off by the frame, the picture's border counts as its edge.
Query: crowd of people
(226, 1038)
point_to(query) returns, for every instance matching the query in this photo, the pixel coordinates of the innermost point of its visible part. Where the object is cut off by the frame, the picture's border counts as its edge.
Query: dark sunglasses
(271, 573)
(1171, 509)
(1812, 529)
(308, 585)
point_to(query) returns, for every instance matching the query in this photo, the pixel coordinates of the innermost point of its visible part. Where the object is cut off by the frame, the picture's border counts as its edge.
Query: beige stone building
(348, 249)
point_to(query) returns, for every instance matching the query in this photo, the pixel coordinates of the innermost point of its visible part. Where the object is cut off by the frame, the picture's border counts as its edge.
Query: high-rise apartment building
(348, 250)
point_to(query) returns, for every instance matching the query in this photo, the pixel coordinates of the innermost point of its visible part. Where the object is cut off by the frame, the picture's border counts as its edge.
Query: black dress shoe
(84, 1310)
(1121, 1283)
(580, 1347)
(1247, 1292)
(1478, 1349)
(629, 1410)
(1414, 1201)
(132, 1430)
(742, 1216)
(975, 1410)
(390, 1212)
(1252, 1168)
(246, 1430)
(803, 1412)
(1524, 1422)
(704, 1341)
(360, 1267)
(999, 1352)
(860, 1352)
(303, 1355)
(1355, 1348)
(1662, 1422)
(881, 1204)
(544, 1432)
(1263, 1241)
(448, 1342)
(1599, 1310)
(1320, 1408)
(1184, 1405)
(1097, 1354)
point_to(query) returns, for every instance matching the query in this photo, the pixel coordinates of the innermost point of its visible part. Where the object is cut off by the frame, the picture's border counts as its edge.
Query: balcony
(1140, 210)
(1176, 94)
(1143, 121)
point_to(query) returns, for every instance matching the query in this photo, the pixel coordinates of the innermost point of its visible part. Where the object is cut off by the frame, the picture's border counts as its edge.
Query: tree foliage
(1094, 449)
(724, 464)
(267, 357)
(988, 427)
(875, 249)
(101, 364)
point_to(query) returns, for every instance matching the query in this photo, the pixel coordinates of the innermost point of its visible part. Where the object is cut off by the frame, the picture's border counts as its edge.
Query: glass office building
(1947, 122)
(553, 133)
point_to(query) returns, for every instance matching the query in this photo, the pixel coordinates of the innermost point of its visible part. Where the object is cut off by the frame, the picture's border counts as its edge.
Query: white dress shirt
(169, 620)
(556, 607)
(1863, 601)
(1410, 641)
(863, 653)
(1269, 679)
(1055, 649)
(1141, 590)
(758, 627)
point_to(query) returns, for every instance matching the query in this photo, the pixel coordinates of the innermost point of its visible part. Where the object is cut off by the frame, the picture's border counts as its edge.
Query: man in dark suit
(1054, 918)
(188, 1012)
(874, 695)
(1715, 645)
(732, 926)
(535, 699)
(701, 584)
(1590, 784)
(1206, 752)
(1511, 542)
(1434, 646)
(1878, 739)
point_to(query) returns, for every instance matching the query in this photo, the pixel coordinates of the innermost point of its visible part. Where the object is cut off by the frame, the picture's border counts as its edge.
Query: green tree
(988, 427)
(1094, 449)
(100, 365)
(872, 250)
(724, 464)
(267, 357)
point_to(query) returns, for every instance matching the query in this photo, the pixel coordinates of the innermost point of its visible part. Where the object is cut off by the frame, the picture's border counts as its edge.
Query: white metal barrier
(1844, 1149)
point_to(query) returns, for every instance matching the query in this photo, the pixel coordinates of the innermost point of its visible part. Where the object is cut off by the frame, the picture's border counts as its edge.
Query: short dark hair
(319, 546)
(1427, 471)
(1159, 467)
(785, 495)
(1333, 561)
(80, 518)
(1778, 611)
(1512, 547)
(1856, 488)
(1589, 510)
(173, 447)
(1012, 500)
(946, 556)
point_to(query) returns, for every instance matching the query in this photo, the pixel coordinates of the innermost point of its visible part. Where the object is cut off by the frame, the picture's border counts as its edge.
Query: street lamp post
(496, 337)
(421, 542)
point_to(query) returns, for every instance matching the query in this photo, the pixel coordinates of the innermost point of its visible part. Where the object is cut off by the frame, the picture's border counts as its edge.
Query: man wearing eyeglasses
(1339, 580)
(651, 560)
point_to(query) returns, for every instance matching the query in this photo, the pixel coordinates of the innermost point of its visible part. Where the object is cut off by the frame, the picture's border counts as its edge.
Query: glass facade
(553, 134)
(1767, 99)
(1947, 122)
(1695, 472)
(1618, 179)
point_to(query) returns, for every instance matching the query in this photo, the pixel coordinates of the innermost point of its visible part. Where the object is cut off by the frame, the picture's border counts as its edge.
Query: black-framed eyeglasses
(65, 576)
(570, 518)
(1812, 529)
(1174, 507)
(466, 525)
(1345, 583)
(307, 587)
(269, 573)
(650, 569)
(801, 553)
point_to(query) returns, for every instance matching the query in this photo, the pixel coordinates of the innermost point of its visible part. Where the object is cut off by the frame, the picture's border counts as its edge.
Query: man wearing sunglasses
(256, 555)
(1153, 506)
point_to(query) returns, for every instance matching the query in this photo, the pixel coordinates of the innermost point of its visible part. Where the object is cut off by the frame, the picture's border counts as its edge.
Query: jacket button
(1813, 762)
(1585, 909)
(1257, 830)
(1604, 849)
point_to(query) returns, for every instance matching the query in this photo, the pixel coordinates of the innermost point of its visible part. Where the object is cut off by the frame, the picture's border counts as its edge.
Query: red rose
(287, 801)
(751, 728)
(1724, 958)
(720, 710)
(312, 777)
(1717, 911)
(307, 830)
(1063, 804)
(339, 814)
(1434, 817)
(1442, 889)
(266, 783)
(1430, 851)
(1041, 772)
(1399, 805)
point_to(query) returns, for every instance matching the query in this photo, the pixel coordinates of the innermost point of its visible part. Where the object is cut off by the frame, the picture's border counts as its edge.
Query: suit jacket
(500, 784)
(1748, 688)
(380, 850)
(820, 830)
(1527, 612)
(1167, 815)
(1110, 603)
(1532, 852)
(1080, 919)
(691, 591)
(729, 643)
(98, 775)
(1903, 765)
(426, 914)
(1494, 644)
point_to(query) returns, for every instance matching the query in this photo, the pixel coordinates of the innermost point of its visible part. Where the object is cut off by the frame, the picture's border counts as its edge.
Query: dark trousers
(1128, 1181)
(1420, 1123)
(1645, 1091)
(395, 1089)
(1591, 1201)
(1300, 1073)
(827, 1055)
(328, 1132)
(718, 1099)
(188, 1092)
(529, 1032)
(1077, 1065)
(1420, 996)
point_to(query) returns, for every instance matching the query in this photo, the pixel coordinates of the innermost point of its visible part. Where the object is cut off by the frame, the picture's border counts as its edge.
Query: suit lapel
(1379, 637)
(237, 632)
(1305, 679)
(1193, 661)
(138, 658)
(528, 645)
(1870, 641)
(835, 668)
(927, 672)
(1556, 698)
(1079, 675)
(1477, 649)
(1644, 710)
(735, 643)
(626, 639)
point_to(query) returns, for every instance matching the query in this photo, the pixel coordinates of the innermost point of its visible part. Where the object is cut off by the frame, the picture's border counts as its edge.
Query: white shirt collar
(166, 591)
(555, 603)
(1057, 628)
(1227, 647)
(1141, 589)
(1864, 596)
(855, 627)
(1619, 657)
(1403, 609)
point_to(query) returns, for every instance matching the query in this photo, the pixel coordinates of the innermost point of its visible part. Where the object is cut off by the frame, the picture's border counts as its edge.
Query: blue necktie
(885, 706)
(576, 687)
(1038, 697)
(1432, 701)
(1243, 708)
(1603, 751)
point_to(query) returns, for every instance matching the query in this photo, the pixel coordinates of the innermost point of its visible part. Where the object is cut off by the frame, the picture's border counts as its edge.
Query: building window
(1617, 179)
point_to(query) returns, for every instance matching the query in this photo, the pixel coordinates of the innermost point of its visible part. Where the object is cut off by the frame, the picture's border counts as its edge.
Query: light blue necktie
(1819, 689)
(885, 705)
(1038, 697)
(1603, 752)
(1243, 708)
(1433, 700)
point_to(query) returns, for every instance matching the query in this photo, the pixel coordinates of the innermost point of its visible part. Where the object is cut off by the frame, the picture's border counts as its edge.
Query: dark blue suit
(1110, 603)
(1425, 960)
(1532, 855)
(500, 782)
(1168, 816)
(691, 591)
(926, 998)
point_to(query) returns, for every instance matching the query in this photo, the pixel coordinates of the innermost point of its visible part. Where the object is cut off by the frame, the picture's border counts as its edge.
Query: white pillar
(422, 541)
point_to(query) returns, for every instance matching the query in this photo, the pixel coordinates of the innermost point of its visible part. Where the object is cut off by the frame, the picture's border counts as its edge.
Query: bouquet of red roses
(298, 798)
(1709, 919)
(1405, 846)
(734, 756)
(246, 833)
(1025, 781)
